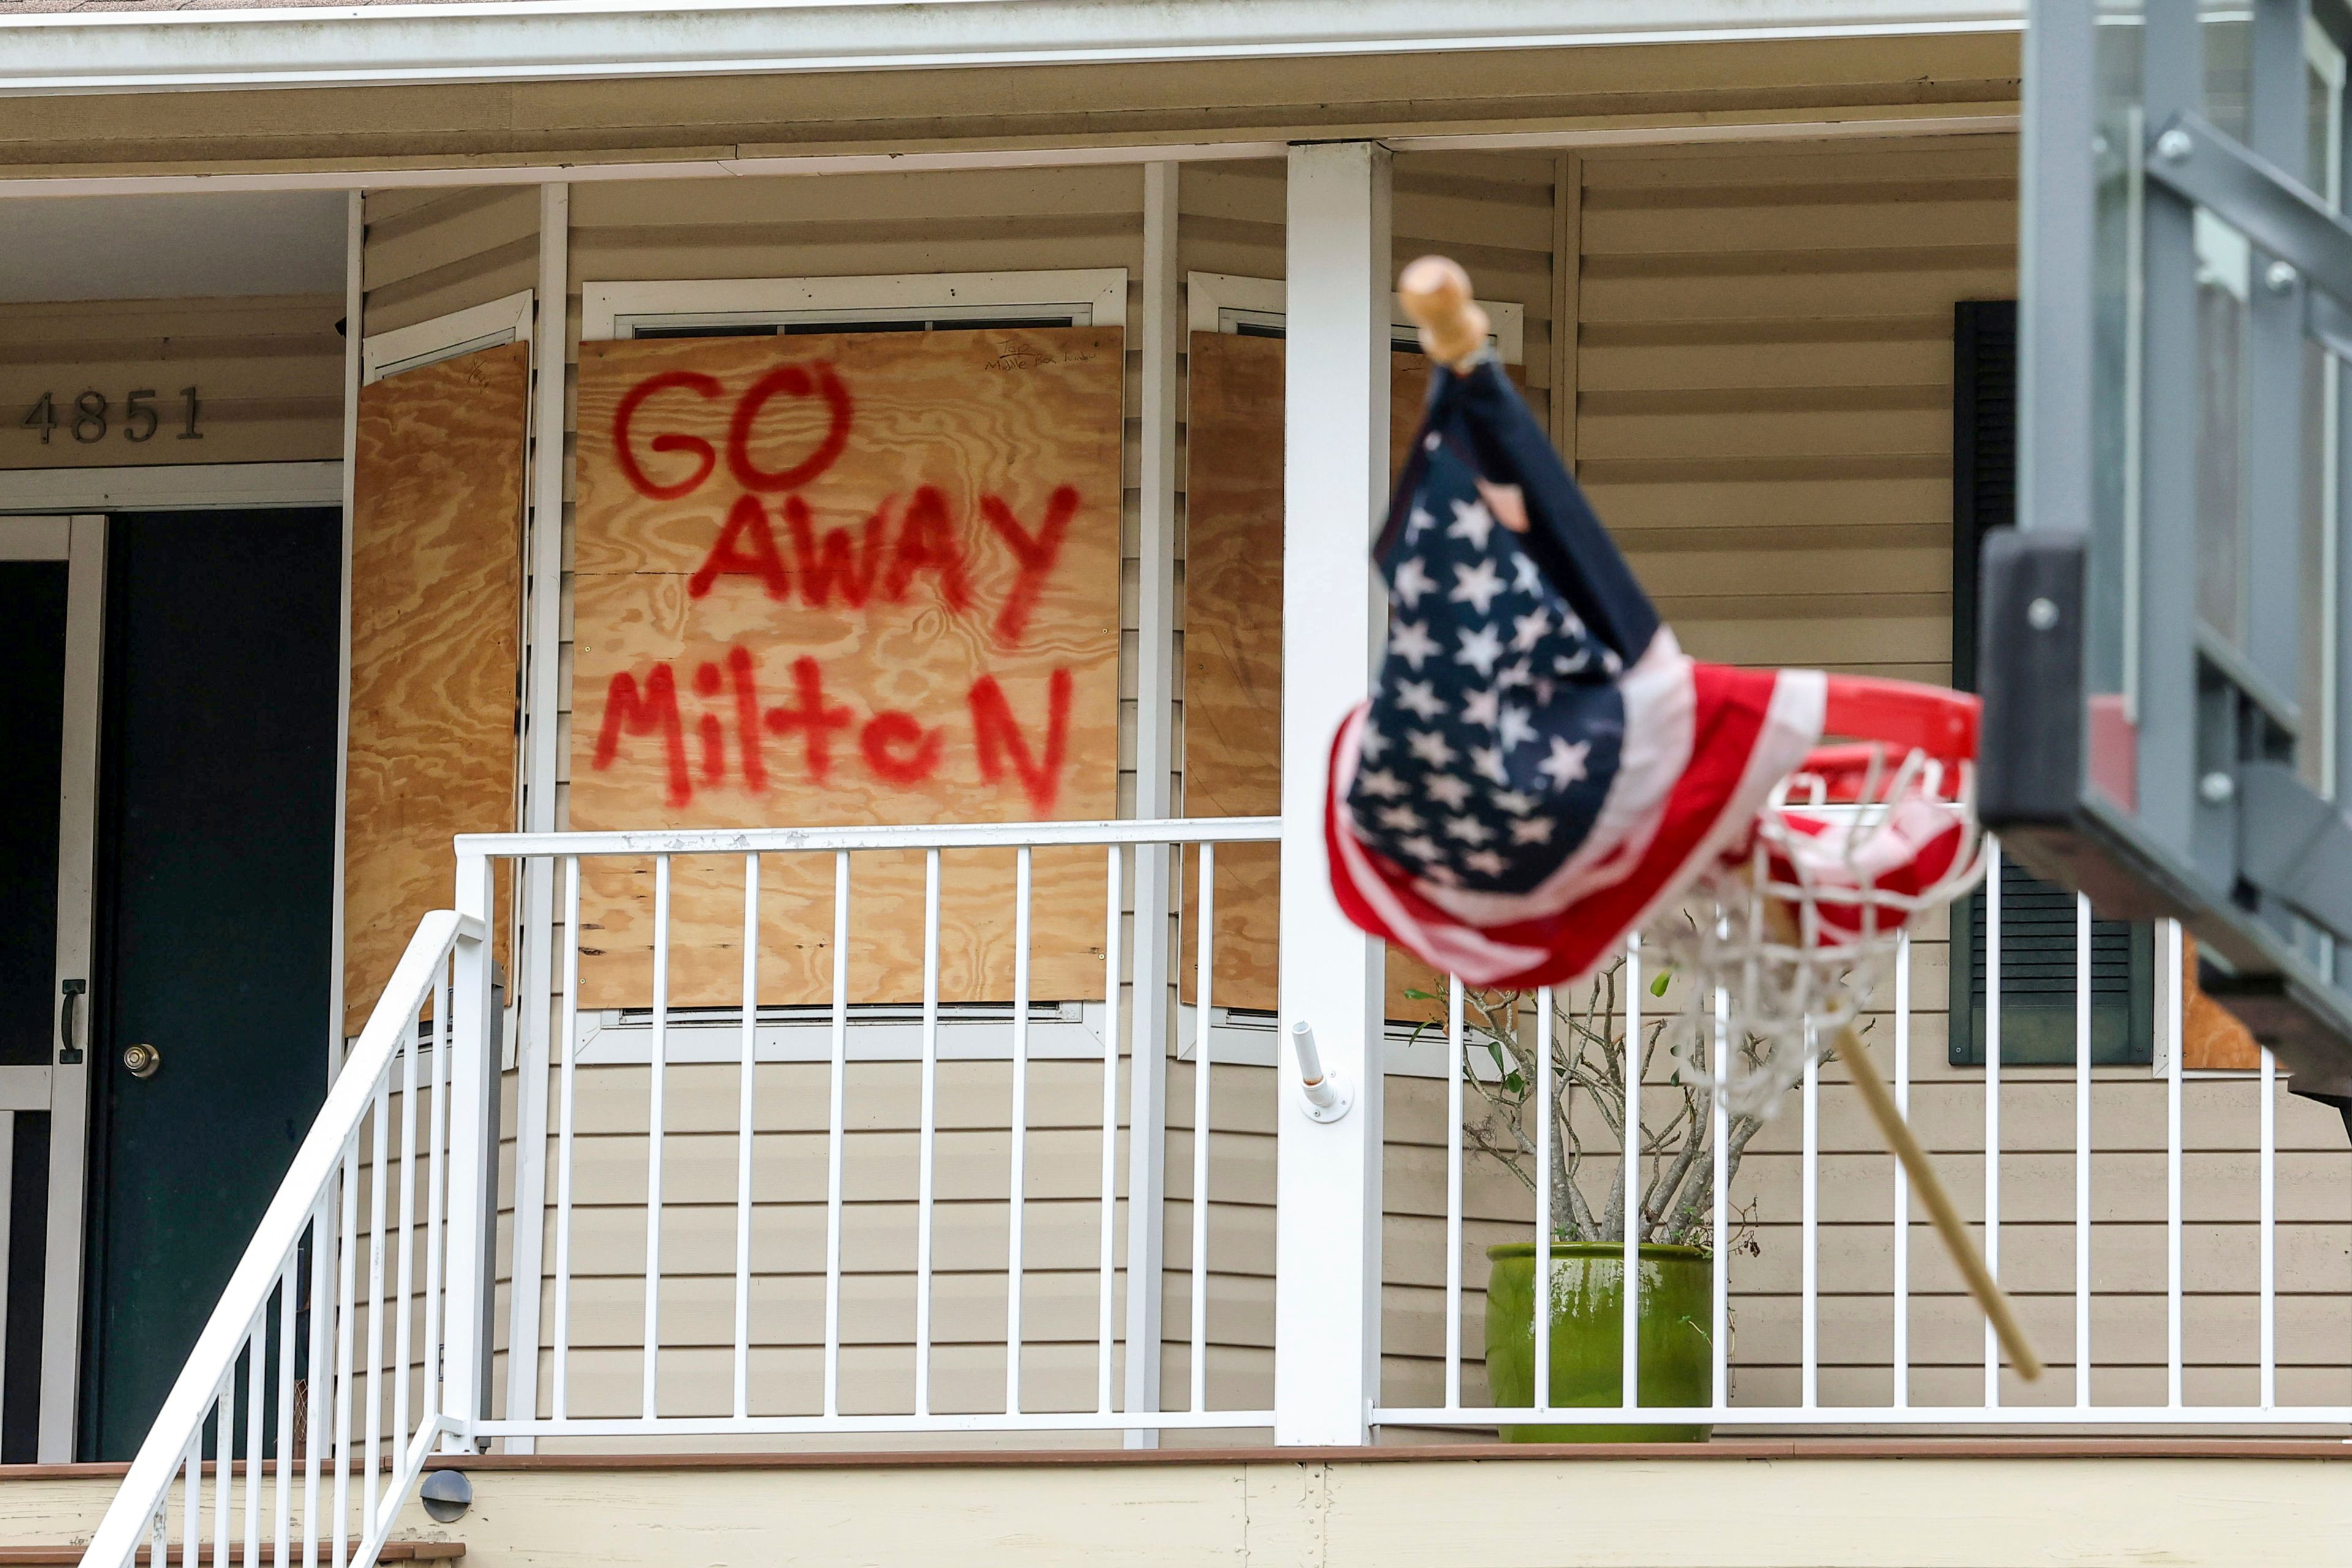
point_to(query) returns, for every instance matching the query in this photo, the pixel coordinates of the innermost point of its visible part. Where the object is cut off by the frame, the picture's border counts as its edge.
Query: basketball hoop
(1785, 939)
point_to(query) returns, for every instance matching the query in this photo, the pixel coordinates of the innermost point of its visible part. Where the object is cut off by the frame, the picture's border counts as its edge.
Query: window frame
(1224, 302)
(1087, 297)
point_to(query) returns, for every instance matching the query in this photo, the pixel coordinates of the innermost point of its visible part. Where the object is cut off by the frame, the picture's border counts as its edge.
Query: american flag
(1539, 769)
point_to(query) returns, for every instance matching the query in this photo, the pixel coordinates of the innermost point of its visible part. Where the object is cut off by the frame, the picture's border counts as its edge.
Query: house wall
(1762, 364)
(1763, 417)
(269, 370)
(456, 249)
(430, 254)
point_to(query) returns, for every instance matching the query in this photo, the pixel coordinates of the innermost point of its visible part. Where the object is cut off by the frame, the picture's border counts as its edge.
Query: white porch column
(1334, 479)
(1147, 1144)
(535, 1010)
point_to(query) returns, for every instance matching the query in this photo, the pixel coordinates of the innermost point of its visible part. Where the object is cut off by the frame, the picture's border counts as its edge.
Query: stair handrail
(147, 1486)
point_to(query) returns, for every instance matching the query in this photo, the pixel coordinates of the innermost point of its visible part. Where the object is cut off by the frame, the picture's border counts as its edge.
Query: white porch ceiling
(148, 45)
(167, 247)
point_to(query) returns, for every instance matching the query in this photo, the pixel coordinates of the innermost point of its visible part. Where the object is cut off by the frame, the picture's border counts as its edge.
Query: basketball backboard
(2163, 637)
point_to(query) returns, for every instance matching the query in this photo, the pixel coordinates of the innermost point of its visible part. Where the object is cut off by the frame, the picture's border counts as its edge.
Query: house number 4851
(93, 416)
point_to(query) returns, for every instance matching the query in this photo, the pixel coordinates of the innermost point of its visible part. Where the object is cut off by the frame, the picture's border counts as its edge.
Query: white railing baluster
(436, 1190)
(1629, 1372)
(1545, 1133)
(926, 1145)
(379, 1166)
(321, 1381)
(405, 1291)
(1809, 1248)
(1992, 1107)
(1016, 1184)
(1114, 897)
(1456, 1064)
(836, 1133)
(1719, 1223)
(2172, 1382)
(1901, 1355)
(2267, 1086)
(282, 1502)
(346, 1298)
(743, 1135)
(223, 1463)
(256, 1355)
(568, 1052)
(656, 1125)
(2081, 1152)
(192, 1498)
(1202, 984)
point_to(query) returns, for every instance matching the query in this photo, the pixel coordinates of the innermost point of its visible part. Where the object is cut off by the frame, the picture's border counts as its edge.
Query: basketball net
(1783, 941)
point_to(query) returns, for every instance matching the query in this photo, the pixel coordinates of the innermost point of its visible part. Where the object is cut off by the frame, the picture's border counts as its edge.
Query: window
(2038, 928)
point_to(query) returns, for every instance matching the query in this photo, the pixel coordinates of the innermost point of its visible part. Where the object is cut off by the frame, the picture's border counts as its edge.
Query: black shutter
(2037, 921)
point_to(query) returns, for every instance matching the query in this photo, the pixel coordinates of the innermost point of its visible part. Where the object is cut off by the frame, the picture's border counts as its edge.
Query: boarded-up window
(436, 580)
(1233, 650)
(844, 579)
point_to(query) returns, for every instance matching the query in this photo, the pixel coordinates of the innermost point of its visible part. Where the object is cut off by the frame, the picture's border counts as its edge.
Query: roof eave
(297, 45)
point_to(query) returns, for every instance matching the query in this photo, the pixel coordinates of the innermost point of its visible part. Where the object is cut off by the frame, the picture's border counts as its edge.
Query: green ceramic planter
(1588, 1335)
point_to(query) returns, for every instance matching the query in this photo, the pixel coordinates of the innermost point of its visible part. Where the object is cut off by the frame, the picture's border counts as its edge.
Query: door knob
(141, 1060)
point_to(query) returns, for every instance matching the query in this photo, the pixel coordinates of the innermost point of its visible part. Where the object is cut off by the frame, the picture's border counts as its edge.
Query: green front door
(215, 844)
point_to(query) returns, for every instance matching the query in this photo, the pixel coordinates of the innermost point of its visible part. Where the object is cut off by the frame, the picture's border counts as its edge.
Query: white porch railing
(1093, 1175)
(823, 1230)
(278, 1438)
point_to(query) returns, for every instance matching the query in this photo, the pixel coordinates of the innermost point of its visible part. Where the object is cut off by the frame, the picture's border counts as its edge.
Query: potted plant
(1673, 1207)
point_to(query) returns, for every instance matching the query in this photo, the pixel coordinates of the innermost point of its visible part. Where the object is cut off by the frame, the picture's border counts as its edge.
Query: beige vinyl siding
(832, 227)
(1764, 420)
(1762, 413)
(269, 373)
(419, 265)
(432, 252)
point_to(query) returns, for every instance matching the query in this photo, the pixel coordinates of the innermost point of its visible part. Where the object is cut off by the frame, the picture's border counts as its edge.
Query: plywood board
(436, 583)
(1232, 651)
(2211, 1034)
(842, 579)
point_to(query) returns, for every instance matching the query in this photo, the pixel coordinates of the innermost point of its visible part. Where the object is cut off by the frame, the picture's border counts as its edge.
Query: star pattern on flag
(1411, 642)
(1474, 522)
(1503, 701)
(1475, 585)
(1566, 763)
(1480, 649)
(1412, 579)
